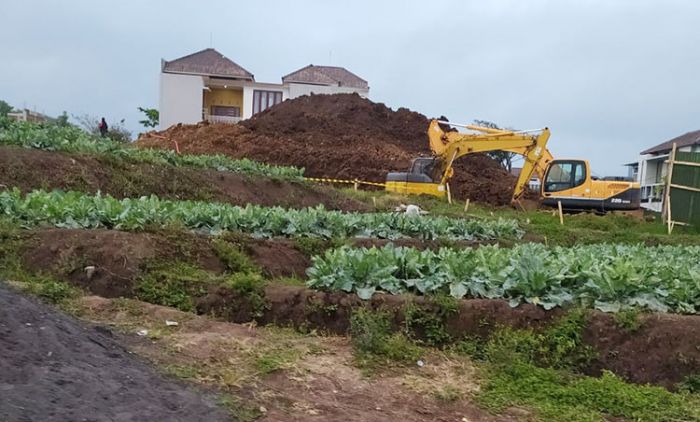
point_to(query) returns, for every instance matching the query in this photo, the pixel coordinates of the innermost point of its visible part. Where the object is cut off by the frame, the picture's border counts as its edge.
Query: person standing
(103, 127)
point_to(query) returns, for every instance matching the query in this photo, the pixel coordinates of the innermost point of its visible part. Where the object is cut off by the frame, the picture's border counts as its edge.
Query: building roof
(690, 138)
(326, 75)
(207, 62)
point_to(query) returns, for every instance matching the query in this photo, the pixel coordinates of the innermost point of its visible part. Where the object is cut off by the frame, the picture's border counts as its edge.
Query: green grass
(11, 269)
(542, 225)
(240, 410)
(175, 284)
(561, 396)
(276, 359)
(375, 344)
(233, 256)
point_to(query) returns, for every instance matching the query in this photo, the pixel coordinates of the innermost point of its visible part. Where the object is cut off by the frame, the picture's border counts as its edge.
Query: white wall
(248, 95)
(297, 90)
(180, 99)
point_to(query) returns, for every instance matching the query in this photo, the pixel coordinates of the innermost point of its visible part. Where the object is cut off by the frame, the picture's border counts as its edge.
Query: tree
(504, 158)
(62, 120)
(152, 117)
(5, 108)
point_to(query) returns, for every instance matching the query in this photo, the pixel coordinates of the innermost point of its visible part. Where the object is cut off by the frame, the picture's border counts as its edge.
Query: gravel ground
(56, 368)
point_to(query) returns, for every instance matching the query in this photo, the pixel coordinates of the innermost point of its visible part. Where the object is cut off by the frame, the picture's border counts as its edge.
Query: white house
(651, 169)
(208, 86)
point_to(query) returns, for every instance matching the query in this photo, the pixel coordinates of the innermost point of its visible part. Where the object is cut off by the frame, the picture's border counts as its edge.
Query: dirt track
(54, 368)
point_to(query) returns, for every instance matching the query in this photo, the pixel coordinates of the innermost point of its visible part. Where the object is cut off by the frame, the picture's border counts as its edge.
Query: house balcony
(223, 119)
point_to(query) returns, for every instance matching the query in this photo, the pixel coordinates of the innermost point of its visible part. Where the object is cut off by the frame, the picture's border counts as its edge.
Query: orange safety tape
(352, 182)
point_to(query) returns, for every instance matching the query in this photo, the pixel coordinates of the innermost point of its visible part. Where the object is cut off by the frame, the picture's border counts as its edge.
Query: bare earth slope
(338, 136)
(54, 368)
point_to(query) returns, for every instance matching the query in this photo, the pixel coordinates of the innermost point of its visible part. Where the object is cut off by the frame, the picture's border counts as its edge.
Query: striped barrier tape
(348, 181)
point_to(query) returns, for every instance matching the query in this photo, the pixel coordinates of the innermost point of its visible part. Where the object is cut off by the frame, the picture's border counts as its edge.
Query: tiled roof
(690, 138)
(326, 75)
(207, 62)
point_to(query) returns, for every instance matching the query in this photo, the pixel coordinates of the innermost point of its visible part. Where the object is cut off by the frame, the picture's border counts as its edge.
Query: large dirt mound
(337, 136)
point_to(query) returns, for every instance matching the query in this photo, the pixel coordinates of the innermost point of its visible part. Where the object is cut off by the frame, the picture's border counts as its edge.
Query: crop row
(604, 276)
(71, 139)
(78, 210)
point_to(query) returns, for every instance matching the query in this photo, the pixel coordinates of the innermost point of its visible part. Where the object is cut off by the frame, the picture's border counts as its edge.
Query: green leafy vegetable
(604, 276)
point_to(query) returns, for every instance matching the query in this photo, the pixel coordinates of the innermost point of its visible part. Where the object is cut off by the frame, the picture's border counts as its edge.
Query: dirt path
(280, 375)
(54, 368)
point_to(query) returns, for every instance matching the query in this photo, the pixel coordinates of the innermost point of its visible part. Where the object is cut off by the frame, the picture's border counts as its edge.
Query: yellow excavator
(567, 181)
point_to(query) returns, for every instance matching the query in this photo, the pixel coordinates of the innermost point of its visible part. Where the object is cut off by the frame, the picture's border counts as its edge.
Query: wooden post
(374, 201)
(355, 184)
(449, 195)
(668, 216)
(466, 205)
(177, 147)
(561, 213)
(666, 209)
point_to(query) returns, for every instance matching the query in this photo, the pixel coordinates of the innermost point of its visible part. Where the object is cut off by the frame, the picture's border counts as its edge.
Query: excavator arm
(532, 145)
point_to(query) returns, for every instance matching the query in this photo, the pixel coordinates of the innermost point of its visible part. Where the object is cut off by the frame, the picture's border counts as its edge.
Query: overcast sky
(609, 78)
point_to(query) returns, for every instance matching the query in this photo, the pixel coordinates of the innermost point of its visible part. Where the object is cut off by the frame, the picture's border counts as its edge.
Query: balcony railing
(223, 119)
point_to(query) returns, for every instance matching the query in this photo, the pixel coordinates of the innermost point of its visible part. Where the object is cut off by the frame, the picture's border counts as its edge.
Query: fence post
(666, 204)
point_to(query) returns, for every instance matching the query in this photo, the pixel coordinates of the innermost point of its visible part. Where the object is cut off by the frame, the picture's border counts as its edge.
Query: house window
(226, 111)
(265, 99)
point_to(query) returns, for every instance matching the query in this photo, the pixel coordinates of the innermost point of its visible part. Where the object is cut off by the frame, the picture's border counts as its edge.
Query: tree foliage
(4, 108)
(152, 117)
(504, 158)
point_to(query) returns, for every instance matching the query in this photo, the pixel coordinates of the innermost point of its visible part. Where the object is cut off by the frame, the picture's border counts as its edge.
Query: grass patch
(273, 360)
(628, 319)
(429, 322)
(233, 256)
(374, 343)
(239, 409)
(251, 287)
(174, 284)
(558, 346)
(691, 384)
(543, 224)
(561, 396)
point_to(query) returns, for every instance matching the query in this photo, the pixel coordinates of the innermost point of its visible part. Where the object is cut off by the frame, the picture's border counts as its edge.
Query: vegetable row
(79, 210)
(71, 139)
(607, 277)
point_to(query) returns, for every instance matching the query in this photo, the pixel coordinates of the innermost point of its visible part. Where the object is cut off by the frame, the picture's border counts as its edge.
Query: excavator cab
(570, 182)
(423, 177)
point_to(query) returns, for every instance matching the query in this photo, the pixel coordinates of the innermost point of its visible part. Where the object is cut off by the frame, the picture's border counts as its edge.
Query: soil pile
(29, 169)
(337, 136)
(56, 368)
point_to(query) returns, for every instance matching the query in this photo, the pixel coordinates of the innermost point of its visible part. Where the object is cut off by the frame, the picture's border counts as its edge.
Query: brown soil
(338, 136)
(118, 257)
(35, 169)
(321, 384)
(55, 368)
(663, 351)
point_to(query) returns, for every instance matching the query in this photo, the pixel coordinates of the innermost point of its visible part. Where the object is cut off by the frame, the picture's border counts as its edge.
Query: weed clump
(175, 284)
(233, 257)
(373, 341)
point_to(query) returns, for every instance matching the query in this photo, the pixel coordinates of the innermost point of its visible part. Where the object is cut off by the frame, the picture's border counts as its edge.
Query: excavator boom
(532, 145)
